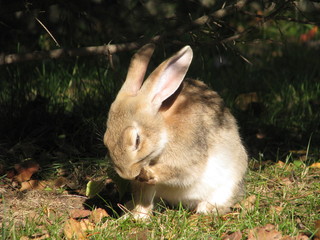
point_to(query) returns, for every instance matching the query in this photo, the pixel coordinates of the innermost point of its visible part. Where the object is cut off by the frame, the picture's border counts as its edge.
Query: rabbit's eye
(137, 141)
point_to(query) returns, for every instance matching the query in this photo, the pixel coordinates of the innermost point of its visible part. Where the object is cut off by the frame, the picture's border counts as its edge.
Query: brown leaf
(10, 174)
(280, 164)
(302, 237)
(315, 165)
(267, 232)
(299, 237)
(74, 229)
(86, 225)
(233, 236)
(33, 185)
(317, 226)
(79, 213)
(247, 204)
(97, 215)
(25, 170)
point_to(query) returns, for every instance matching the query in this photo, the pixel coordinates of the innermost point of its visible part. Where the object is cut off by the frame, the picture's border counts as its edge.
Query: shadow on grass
(286, 118)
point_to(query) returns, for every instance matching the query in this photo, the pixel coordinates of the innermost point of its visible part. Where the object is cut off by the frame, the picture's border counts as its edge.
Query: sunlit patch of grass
(286, 194)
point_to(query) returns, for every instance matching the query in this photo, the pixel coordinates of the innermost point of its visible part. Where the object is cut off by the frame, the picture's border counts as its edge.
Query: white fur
(213, 187)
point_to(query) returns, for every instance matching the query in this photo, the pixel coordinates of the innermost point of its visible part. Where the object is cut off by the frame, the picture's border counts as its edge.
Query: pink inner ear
(171, 77)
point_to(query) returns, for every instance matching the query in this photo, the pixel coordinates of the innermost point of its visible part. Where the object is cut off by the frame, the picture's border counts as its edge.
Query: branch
(59, 53)
(113, 48)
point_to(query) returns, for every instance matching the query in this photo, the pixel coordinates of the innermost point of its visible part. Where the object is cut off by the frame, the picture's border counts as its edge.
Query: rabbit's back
(204, 152)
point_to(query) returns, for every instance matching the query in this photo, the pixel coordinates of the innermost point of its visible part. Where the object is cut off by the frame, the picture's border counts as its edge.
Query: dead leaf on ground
(315, 165)
(79, 213)
(280, 164)
(25, 170)
(232, 236)
(302, 237)
(247, 204)
(74, 229)
(299, 237)
(97, 215)
(33, 185)
(317, 233)
(267, 232)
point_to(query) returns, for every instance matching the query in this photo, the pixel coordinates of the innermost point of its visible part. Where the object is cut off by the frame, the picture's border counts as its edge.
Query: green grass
(55, 112)
(286, 196)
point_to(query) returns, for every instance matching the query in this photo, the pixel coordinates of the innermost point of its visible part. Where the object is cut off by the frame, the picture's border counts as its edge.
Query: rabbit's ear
(167, 77)
(137, 69)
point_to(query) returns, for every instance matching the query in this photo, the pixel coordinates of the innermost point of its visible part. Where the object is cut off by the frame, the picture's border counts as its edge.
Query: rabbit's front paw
(146, 176)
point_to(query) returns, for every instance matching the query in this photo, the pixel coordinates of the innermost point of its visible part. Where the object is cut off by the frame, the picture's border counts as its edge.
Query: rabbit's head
(136, 132)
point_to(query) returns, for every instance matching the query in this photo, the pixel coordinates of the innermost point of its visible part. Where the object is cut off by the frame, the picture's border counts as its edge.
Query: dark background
(261, 56)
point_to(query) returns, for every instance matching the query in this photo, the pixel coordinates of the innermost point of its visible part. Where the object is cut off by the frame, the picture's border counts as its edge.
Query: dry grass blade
(47, 30)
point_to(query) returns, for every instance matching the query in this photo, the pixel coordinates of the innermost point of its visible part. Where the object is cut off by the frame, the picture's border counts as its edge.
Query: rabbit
(174, 139)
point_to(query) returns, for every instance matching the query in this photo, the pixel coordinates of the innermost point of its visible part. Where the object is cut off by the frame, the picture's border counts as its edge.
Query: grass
(54, 113)
(285, 194)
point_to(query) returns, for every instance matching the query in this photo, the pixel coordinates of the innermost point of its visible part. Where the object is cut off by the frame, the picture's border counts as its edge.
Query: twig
(47, 30)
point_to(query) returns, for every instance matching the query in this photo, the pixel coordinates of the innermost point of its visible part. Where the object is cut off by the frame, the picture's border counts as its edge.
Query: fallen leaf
(247, 204)
(299, 237)
(86, 225)
(25, 170)
(233, 236)
(97, 215)
(280, 164)
(33, 185)
(79, 213)
(302, 237)
(317, 226)
(267, 232)
(73, 229)
(10, 174)
(315, 165)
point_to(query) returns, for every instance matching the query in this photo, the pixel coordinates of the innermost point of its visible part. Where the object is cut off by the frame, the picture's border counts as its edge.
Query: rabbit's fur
(174, 138)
